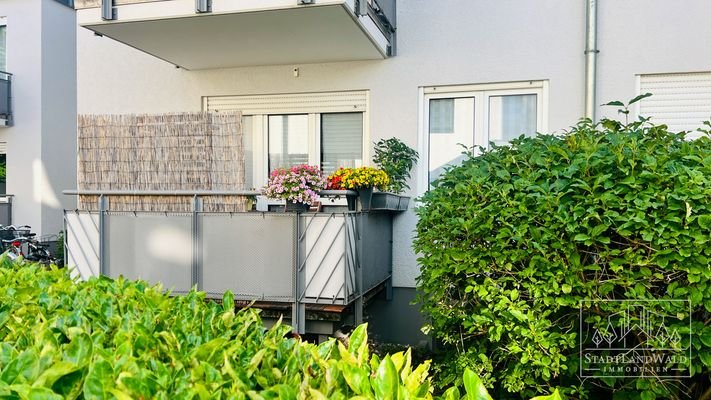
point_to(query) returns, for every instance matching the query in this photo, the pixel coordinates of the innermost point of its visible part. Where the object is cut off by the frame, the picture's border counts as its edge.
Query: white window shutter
(681, 101)
(299, 103)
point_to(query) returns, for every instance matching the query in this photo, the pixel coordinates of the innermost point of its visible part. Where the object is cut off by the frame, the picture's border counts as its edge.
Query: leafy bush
(397, 160)
(106, 339)
(513, 240)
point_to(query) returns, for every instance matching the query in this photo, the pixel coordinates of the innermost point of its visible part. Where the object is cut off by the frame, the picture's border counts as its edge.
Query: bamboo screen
(187, 151)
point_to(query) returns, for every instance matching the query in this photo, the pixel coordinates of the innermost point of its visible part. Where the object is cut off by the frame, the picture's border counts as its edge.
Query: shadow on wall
(397, 321)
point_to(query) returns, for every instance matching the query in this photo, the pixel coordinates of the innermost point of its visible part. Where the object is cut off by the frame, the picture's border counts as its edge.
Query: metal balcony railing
(314, 258)
(5, 98)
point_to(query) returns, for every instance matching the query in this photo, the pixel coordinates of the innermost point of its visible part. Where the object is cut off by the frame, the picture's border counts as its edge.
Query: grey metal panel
(149, 246)
(5, 209)
(82, 243)
(251, 254)
(323, 257)
(376, 259)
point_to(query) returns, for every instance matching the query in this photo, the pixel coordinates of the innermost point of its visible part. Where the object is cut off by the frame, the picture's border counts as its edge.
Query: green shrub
(118, 339)
(513, 240)
(397, 160)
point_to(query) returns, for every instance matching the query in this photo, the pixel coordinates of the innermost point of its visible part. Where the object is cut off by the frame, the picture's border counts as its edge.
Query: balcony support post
(358, 306)
(103, 207)
(197, 256)
(298, 309)
(108, 11)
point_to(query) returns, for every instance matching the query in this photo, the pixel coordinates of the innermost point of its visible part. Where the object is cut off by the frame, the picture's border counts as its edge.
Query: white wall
(654, 36)
(59, 110)
(41, 159)
(24, 139)
(439, 43)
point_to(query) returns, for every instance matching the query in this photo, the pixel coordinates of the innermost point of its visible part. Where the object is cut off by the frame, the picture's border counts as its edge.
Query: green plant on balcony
(397, 160)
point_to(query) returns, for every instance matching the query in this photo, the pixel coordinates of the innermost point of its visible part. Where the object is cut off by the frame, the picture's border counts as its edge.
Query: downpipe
(591, 52)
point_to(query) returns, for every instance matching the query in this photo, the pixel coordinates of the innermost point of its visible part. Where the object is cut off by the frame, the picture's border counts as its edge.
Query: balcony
(5, 99)
(207, 34)
(322, 261)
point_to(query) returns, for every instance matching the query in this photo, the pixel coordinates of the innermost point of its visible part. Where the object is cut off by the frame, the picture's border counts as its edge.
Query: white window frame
(260, 130)
(311, 104)
(481, 94)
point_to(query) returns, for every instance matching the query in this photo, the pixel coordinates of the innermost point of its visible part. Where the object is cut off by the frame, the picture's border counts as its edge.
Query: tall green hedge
(513, 240)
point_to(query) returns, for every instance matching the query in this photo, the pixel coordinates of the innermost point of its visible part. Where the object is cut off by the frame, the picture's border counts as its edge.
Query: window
(288, 141)
(681, 101)
(341, 141)
(459, 118)
(511, 116)
(3, 47)
(282, 130)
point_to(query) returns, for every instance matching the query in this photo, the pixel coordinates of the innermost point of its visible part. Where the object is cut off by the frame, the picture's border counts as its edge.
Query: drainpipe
(590, 58)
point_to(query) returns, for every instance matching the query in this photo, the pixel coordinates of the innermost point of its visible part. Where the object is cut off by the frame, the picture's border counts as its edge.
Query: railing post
(298, 311)
(203, 6)
(359, 270)
(361, 7)
(103, 207)
(196, 266)
(108, 12)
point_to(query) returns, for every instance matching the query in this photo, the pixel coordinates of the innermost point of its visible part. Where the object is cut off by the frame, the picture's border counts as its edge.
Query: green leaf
(475, 387)
(55, 372)
(228, 301)
(40, 393)
(357, 378)
(99, 381)
(553, 396)
(648, 395)
(385, 382)
(358, 343)
(451, 394)
(615, 103)
(638, 98)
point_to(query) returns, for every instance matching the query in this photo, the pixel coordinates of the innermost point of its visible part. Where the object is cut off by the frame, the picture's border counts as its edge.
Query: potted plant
(298, 186)
(397, 160)
(363, 180)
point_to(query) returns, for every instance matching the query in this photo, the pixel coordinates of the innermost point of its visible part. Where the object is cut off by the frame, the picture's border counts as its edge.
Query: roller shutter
(300, 103)
(681, 101)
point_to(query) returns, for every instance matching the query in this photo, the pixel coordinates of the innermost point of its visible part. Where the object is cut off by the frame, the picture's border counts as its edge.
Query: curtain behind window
(341, 141)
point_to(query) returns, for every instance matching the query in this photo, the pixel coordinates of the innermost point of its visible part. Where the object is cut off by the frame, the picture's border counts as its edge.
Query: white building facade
(38, 123)
(454, 72)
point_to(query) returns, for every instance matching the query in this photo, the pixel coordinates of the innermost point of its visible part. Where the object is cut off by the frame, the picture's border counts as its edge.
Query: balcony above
(206, 34)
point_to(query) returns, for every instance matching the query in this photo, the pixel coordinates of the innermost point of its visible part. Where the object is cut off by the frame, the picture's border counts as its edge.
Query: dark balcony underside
(303, 35)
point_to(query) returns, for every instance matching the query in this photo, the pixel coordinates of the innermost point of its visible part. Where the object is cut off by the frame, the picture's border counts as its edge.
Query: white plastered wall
(41, 146)
(446, 42)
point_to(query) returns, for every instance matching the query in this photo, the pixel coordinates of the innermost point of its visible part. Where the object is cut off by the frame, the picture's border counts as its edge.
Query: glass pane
(3, 61)
(442, 116)
(288, 141)
(511, 117)
(248, 147)
(446, 150)
(341, 141)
